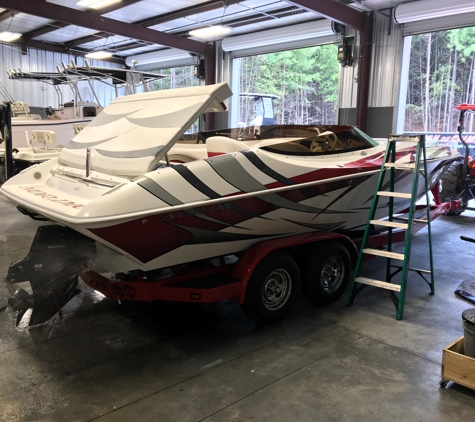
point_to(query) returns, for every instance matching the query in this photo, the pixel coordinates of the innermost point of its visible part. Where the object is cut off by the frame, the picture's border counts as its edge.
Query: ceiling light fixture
(99, 55)
(96, 4)
(9, 36)
(210, 32)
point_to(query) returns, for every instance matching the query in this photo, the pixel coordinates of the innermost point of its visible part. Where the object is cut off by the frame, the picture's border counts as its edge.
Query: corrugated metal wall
(40, 94)
(385, 69)
(386, 66)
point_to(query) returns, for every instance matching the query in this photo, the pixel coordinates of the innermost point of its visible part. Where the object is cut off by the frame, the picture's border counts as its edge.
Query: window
(441, 75)
(295, 87)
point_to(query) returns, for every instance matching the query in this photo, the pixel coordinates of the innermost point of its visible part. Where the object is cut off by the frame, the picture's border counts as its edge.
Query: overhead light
(96, 4)
(9, 36)
(99, 55)
(210, 32)
(162, 59)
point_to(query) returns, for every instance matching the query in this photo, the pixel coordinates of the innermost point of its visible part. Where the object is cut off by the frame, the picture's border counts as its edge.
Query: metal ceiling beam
(101, 23)
(60, 49)
(53, 26)
(203, 7)
(129, 46)
(234, 23)
(186, 11)
(335, 11)
(155, 20)
(5, 15)
(250, 19)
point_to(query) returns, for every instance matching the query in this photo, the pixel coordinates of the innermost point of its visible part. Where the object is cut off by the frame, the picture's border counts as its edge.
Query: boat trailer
(59, 256)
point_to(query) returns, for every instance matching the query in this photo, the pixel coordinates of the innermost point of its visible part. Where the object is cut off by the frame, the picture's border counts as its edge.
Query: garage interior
(117, 360)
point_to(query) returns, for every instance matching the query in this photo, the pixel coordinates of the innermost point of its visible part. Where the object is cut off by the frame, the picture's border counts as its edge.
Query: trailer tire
(326, 272)
(272, 289)
(451, 182)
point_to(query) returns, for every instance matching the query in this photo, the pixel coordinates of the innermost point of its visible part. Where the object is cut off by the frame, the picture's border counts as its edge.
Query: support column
(364, 71)
(210, 78)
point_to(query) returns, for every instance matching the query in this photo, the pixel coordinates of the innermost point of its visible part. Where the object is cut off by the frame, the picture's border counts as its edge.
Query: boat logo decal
(201, 210)
(50, 197)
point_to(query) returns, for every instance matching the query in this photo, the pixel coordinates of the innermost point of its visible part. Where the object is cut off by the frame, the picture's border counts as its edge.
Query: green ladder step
(400, 166)
(395, 194)
(377, 283)
(391, 224)
(384, 254)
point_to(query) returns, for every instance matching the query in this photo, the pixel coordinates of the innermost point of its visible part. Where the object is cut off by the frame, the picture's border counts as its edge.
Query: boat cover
(133, 133)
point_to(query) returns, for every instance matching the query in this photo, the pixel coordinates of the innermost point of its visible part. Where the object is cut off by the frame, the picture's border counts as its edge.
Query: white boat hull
(62, 128)
(109, 185)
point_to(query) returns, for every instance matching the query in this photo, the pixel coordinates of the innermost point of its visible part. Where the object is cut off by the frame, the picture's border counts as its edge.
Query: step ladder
(418, 167)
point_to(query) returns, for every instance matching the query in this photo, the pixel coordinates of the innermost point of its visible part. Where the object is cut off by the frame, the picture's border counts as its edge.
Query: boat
(110, 184)
(114, 186)
(59, 120)
(58, 126)
(62, 120)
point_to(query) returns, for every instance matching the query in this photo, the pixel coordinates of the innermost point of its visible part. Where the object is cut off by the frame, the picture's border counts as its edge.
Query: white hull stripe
(231, 171)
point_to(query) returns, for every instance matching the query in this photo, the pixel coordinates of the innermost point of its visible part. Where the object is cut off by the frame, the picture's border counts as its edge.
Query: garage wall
(40, 94)
(385, 79)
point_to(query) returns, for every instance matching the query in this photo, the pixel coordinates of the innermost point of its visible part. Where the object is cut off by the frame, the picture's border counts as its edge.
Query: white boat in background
(76, 112)
(61, 121)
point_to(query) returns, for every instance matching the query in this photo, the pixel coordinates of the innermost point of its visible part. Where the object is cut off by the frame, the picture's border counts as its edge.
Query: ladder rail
(410, 217)
(429, 225)
(374, 205)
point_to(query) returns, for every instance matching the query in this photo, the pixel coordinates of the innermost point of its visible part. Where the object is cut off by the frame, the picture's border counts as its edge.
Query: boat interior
(291, 139)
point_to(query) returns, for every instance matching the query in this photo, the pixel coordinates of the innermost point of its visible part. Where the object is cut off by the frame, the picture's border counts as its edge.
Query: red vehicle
(458, 182)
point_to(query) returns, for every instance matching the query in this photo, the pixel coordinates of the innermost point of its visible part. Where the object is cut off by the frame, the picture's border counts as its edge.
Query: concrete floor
(182, 362)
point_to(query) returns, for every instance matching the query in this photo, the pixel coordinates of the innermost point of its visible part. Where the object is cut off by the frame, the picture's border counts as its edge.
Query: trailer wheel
(272, 288)
(325, 272)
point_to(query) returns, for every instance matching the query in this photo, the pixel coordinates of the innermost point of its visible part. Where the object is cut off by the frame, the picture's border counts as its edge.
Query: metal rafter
(186, 11)
(5, 15)
(234, 23)
(53, 26)
(155, 20)
(101, 23)
(334, 10)
(249, 19)
(200, 8)
(59, 49)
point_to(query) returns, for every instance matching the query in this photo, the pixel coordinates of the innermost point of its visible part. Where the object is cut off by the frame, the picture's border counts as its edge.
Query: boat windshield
(315, 140)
